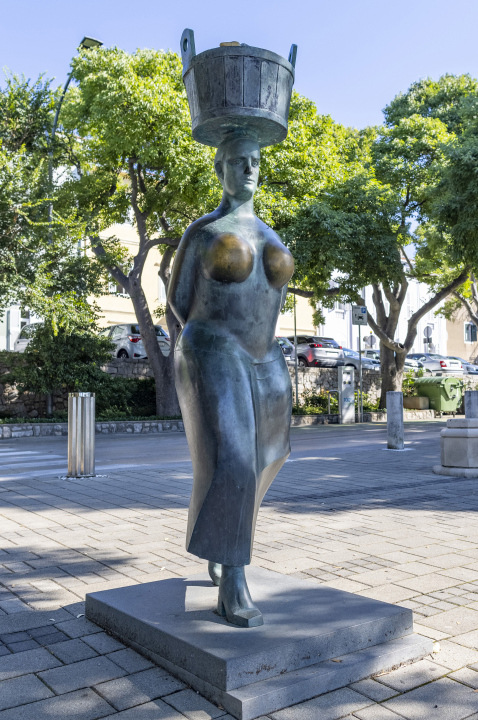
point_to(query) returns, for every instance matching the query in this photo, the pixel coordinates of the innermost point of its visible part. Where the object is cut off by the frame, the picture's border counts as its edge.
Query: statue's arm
(181, 284)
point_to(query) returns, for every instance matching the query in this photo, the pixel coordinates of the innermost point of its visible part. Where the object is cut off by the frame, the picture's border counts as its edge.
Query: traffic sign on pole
(359, 315)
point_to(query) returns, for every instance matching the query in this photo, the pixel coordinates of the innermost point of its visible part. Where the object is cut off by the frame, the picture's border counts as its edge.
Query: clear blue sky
(354, 55)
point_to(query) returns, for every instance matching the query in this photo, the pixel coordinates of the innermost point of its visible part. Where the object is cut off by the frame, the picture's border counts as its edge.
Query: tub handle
(188, 48)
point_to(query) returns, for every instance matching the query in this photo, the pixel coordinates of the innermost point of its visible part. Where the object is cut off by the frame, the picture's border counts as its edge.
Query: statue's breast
(229, 258)
(278, 264)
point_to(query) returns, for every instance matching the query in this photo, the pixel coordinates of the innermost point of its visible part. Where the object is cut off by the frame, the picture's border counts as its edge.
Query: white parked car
(128, 343)
(24, 338)
(468, 367)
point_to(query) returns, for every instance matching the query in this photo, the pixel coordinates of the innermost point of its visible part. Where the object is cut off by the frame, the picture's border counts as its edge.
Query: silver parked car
(351, 357)
(434, 363)
(410, 362)
(128, 344)
(288, 349)
(316, 351)
(468, 367)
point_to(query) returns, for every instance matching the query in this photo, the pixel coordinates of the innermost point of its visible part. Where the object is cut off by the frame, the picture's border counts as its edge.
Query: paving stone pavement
(358, 517)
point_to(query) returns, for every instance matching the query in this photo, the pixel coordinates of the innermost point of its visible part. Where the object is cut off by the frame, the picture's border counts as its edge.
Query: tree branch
(310, 293)
(388, 341)
(172, 242)
(473, 316)
(165, 266)
(115, 272)
(433, 302)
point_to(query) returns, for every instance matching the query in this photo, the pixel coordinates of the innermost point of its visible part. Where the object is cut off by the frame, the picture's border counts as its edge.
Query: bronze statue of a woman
(227, 287)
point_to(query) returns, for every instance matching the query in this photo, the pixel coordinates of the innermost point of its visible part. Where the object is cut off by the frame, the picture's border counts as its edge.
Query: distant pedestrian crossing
(15, 460)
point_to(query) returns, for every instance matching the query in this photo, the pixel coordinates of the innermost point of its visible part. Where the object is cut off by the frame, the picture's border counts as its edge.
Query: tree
(135, 158)
(25, 116)
(387, 207)
(135, 153)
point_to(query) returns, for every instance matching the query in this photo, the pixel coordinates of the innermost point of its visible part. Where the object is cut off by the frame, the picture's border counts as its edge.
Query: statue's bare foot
(234, 601)
(215, 572)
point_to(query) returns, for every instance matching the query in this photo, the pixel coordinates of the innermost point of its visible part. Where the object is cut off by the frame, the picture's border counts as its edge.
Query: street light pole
(87, 43)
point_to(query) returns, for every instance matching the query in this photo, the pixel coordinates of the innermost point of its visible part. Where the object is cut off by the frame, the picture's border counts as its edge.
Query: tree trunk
(167, 404)
(391, 368)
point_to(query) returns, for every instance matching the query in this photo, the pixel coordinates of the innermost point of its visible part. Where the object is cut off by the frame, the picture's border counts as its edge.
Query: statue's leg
(215, 572)
(234, 601)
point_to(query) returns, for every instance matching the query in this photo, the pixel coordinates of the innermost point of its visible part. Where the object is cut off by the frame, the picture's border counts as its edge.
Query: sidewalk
(353, 516)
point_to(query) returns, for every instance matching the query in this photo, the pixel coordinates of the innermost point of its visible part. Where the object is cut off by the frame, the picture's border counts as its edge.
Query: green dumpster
(444, 393)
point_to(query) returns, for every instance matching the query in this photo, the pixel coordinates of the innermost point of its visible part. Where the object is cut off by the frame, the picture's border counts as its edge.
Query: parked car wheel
(123, 354)
(302, 362)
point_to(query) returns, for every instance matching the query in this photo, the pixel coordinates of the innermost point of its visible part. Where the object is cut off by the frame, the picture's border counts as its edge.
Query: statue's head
(237, 166)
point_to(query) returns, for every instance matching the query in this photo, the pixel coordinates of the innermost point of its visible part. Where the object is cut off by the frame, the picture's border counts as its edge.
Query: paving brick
(454, 622)
(81, 705)
(81, 674)
(130, 660)
(139, 688)
(326, 707)
(410, 676)
(444, 699)
(22, 646)
(193, 705)
(14, 637)
(78, 627)
(156, 710)
(454, 656)
(466, 676)
(72, 651)
(22, 690)
(103, 643)
(375, 712)
(31, 661)
(373, 690)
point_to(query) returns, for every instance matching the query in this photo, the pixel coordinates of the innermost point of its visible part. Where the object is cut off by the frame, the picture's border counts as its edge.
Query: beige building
(117, 308)
(462, 336)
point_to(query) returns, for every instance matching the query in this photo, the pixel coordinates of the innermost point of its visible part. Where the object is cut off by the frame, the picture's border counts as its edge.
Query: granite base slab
(307, 629)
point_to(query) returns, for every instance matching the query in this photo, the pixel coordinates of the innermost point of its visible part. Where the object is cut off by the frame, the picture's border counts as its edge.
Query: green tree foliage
(137, 161)
(25, 116)
(60, 359)
(362, 225)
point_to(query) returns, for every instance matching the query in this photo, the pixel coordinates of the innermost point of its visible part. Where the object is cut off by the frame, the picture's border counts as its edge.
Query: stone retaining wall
(313, 379)
(140, 427)
(27, 404)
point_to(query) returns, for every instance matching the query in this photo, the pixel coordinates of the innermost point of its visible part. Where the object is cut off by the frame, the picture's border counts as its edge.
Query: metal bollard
(471, 404)
(81, 434)
(395, 430)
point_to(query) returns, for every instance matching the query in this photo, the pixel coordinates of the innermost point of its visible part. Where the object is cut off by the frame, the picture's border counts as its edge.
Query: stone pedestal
(395, 431)
(314, 639)
(459, 448)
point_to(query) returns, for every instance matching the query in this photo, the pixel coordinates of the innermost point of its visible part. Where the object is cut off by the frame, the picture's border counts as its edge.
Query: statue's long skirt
(236, 414)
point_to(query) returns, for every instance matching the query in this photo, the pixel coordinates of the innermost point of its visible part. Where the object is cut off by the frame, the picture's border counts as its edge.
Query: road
(42, 456)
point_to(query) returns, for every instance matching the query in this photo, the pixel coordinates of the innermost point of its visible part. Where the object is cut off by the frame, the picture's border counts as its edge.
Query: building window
(116, 288)
(470, 332)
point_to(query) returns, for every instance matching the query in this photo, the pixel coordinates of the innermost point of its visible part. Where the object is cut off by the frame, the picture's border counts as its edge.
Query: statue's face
(239, 169)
